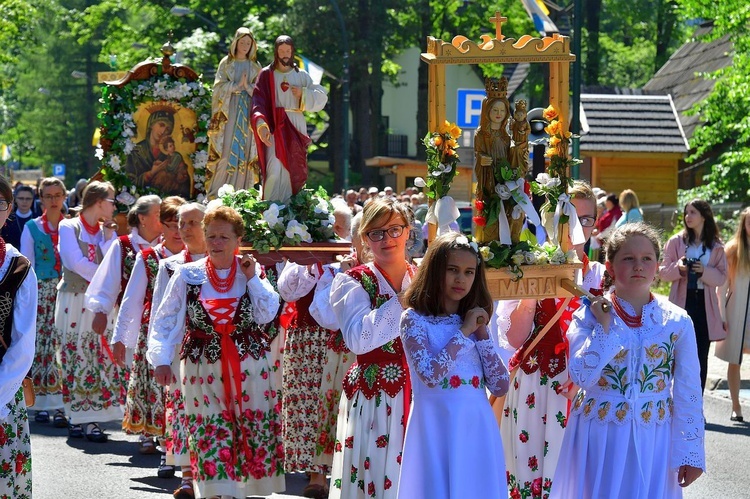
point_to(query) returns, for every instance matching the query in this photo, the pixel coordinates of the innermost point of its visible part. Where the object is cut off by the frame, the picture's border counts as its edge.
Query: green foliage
(306, 217)
(726, 111)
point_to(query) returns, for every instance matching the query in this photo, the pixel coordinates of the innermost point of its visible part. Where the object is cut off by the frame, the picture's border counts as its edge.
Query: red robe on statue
(291, 145)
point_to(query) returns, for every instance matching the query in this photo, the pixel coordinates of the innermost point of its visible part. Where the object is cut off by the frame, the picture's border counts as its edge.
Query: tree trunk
(335, 144)
(591, 67)
(666, 19)
(424, 13)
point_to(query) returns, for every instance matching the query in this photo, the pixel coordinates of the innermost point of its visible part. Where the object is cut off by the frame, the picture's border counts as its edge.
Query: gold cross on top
(498, 21)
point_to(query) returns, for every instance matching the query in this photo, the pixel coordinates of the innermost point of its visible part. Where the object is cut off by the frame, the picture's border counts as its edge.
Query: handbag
(28, 391)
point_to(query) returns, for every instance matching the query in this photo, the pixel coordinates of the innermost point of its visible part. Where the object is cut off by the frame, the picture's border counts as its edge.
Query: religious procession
(245, 327)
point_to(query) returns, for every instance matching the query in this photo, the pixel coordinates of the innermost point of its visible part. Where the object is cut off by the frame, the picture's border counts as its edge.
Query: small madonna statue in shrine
(501, 165)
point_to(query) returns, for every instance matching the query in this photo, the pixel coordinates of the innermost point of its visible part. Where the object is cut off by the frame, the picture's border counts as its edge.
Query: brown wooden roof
(681, 76)
(630, 123)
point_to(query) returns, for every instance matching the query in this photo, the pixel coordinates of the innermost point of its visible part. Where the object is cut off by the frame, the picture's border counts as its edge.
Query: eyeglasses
(587, 221)
(4, 205)
(56, 197)
(170, 225)
(379, 234)
(110, 200)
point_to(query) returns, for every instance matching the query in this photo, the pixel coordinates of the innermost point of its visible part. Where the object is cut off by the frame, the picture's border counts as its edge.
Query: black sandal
(59, 420)
(165, 470)
(75, 431)
(95, 434)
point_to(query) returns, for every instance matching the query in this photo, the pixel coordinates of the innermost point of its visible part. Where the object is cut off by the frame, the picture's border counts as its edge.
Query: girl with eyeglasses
(375, 403)
(39, 242)
(535, 412)
(92, 383)
(18, 287)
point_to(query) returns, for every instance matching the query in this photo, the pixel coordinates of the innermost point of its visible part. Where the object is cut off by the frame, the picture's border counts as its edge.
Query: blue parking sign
(58, 169)
(469, 107)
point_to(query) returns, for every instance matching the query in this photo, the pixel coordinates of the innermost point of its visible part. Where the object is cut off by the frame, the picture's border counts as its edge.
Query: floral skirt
(532, 429)
(304, 354)
(335, 368)
(15, 451)
(369, 442)
(47, 368)
(93, 386)
(234, 453)
(144, 407)
(175, 433)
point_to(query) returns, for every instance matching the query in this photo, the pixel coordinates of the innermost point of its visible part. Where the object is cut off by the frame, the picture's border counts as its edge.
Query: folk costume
(92, 383)
(373, 409)
(144, 406)
(18, 296)
(639, 414)
(232, 407)
(535, 414)
(39, 242)
(338, 361)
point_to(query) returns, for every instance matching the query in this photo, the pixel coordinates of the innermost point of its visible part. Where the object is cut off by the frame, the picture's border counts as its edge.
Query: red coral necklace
(91, 229)
(219, 284)
(632, 321)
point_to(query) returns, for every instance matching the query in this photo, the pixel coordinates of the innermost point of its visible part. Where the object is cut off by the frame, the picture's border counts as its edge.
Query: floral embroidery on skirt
(93, 386)
(15, 451)
(47, 369)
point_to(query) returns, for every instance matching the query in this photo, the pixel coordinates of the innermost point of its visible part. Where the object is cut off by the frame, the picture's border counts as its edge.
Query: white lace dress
(452, 447)
(639, 414)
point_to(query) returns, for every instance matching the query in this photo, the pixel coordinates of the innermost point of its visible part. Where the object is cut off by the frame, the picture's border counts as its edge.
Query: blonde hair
(170, 207)
(628, 200)
(51, 182)
(94, 192)
(380, 210)
(738, 248)
(582, 190)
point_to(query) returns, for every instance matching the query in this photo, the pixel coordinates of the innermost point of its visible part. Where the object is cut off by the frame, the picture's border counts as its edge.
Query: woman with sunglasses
(17, 333)
(91, 380)
(39, 245)
(375, 403)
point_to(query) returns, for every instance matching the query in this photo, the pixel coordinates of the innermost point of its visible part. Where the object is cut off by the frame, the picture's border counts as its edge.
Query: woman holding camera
(695, 263)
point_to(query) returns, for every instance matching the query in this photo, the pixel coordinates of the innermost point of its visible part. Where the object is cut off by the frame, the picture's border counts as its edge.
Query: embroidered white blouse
(70, 252)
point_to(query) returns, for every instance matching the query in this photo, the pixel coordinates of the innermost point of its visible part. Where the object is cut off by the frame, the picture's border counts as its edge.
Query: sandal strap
(95, 430)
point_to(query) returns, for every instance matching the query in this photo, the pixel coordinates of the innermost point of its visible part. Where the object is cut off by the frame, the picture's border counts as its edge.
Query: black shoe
(95, 434)
(75, 431)
(42, 417)
(59, 420)
(735, 417)
(165, 470)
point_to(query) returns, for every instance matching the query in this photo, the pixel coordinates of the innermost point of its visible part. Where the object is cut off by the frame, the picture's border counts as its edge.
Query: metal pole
(575, 121)
(345, 91)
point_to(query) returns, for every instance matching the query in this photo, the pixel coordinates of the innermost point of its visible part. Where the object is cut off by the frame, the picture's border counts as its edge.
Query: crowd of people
(370, 374)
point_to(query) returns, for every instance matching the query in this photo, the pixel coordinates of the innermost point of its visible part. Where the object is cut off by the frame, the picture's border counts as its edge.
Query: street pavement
(77, 468)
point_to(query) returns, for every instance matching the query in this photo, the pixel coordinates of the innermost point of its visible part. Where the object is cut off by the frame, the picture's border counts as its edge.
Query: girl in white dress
(636, 427)
(375, 402)
(452, 447)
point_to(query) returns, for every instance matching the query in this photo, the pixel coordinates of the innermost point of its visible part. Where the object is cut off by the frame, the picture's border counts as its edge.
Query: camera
(692, 282)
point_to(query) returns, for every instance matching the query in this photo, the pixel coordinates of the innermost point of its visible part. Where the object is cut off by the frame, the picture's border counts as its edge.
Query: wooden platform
(304, 254)
(538, 281)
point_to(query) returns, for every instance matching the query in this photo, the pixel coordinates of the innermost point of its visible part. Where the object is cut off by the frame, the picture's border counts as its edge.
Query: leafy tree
(726, 111)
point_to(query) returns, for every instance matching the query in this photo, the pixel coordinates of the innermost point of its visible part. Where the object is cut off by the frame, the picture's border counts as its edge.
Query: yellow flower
(553, 141)
(455, 131)
(554, 128)
(445, 128)
(551, 151)
(550, 113)
(452, 143)
(438, 141)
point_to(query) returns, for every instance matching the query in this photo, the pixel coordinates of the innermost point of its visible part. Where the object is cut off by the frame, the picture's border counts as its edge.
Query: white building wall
(400, 100)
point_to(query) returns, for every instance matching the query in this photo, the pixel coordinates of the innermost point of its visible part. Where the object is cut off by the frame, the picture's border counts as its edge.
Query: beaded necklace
(91, 229)
(632, 321)
(219, 284)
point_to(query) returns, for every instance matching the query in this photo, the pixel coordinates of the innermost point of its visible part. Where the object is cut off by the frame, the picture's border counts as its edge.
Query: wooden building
(632, 142)
(400, 173)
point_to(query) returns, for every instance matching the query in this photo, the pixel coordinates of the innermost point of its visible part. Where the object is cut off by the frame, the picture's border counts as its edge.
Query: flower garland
(306, 217)
(119, 129)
